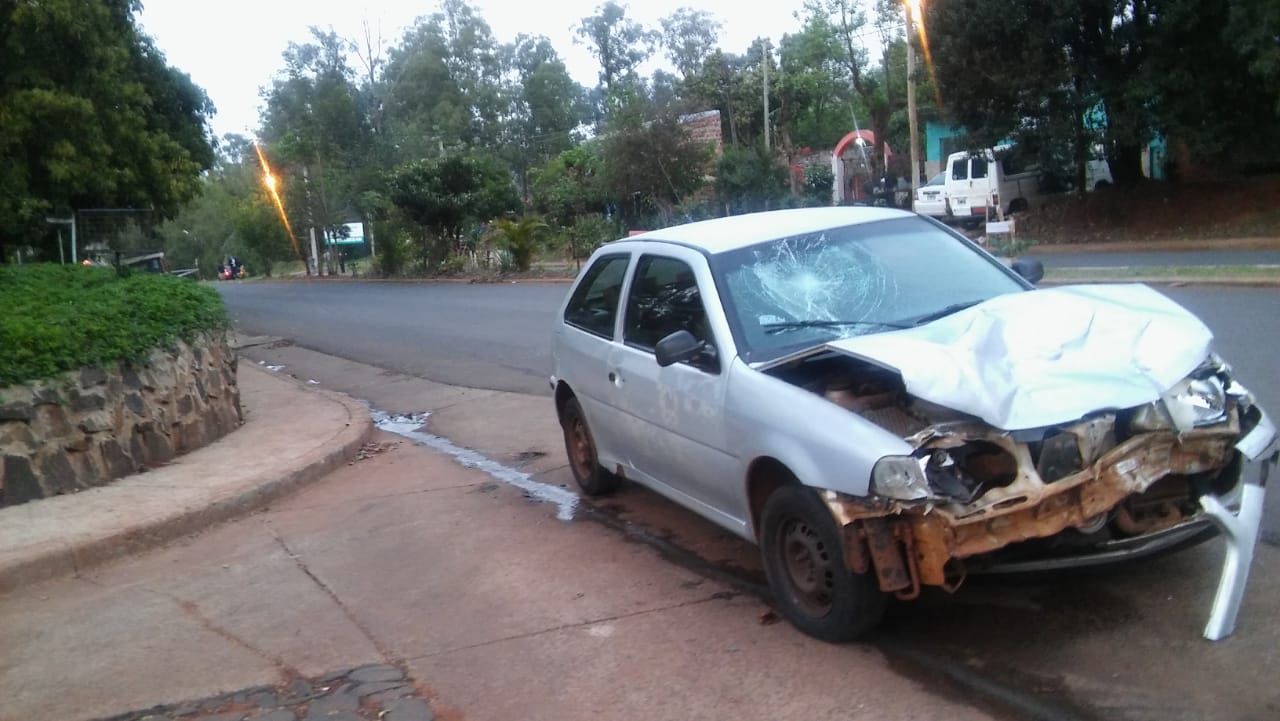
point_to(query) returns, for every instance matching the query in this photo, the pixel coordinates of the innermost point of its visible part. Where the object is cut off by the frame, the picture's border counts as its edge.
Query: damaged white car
(882, 406)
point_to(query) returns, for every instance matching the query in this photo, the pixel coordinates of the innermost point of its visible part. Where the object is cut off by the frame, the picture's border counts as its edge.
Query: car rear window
(594, 304)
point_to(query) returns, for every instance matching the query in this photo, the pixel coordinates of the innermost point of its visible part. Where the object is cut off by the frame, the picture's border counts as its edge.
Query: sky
(232, 48)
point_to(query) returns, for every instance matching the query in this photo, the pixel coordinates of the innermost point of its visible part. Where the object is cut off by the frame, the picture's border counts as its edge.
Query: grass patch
(1171, 272)
(57, 318)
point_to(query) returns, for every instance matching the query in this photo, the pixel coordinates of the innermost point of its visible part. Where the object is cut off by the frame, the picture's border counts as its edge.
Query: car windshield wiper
(779, 327)
(940, 313)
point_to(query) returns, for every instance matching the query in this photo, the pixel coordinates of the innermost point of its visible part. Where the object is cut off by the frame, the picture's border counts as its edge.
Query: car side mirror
(1032, 270)
(678, 347)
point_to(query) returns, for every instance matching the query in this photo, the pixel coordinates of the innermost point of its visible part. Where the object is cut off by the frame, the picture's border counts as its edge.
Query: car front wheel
(804, 561)
(581, 449)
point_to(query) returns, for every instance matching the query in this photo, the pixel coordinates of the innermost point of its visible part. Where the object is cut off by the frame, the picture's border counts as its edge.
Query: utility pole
(764, 63)
(313, 264)
(911, 8)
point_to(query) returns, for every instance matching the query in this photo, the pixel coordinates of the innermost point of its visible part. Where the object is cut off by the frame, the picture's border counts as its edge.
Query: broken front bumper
(909, 544)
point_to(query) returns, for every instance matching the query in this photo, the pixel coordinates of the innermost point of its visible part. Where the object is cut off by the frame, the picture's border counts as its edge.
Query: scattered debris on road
(371, 449)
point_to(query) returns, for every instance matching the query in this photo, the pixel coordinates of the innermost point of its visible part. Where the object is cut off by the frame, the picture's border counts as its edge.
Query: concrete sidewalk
(291, 435)
(493, 607)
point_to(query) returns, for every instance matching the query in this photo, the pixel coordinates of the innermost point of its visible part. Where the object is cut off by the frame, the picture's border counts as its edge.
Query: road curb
(80, 553)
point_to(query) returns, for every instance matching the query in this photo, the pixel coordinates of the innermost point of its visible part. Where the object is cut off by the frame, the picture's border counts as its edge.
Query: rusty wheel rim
(808, 564)
(582, 454)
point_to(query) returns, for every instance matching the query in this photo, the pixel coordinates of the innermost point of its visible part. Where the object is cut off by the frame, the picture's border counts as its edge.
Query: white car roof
(720, 235)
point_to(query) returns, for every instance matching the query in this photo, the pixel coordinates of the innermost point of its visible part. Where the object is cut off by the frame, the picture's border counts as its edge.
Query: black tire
(580, 446)
(804, 561)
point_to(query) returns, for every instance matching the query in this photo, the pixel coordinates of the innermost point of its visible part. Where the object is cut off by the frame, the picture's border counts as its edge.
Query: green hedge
(56, 318)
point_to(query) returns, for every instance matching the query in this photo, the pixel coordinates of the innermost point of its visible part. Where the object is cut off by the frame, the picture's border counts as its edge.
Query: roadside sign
(355, 235)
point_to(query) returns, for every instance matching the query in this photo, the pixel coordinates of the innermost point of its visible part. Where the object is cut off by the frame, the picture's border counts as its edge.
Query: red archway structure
(868, 138)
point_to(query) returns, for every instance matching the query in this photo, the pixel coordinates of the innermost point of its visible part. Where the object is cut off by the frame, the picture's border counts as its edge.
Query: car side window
(979, 168)
(594, 304)
(664, 299)
(960, 170)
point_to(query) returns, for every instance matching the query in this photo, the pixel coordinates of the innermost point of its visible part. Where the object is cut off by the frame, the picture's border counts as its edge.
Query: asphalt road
(483, 336)
(1166, 257)
(496, 336)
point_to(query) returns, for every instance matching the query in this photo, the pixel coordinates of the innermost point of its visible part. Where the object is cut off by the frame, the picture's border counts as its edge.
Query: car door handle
(613, 377)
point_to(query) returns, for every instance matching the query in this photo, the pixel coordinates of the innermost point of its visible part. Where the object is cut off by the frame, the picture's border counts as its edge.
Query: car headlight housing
(901, 478)
(1196, 402)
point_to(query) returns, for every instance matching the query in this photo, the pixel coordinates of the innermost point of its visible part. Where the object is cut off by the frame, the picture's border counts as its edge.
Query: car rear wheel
(581, 449)
(804, 561)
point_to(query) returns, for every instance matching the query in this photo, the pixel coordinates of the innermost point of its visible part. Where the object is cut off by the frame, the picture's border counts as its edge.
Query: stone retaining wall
(85, 428)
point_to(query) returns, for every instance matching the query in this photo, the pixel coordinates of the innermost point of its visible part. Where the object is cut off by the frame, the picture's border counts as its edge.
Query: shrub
(818, 181)
(394, 256)
(56, 318)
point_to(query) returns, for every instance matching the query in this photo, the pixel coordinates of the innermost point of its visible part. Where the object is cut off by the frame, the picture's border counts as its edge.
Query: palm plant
(520, 238)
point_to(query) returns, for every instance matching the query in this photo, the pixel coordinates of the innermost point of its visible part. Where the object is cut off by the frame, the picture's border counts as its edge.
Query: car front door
(584, 346)
(676, 430)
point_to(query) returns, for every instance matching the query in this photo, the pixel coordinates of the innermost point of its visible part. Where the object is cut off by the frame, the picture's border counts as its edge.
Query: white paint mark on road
(411, 427)
(273, 369)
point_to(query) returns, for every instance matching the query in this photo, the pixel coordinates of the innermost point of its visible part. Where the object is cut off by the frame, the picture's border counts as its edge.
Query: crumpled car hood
(1033, 359)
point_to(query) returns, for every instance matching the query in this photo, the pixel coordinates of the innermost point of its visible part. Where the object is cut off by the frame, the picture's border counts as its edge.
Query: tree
(841, 23)
(750, 179)
(445, 195)
(1066, 77)
(1255, 25)
(445, 86)
(91, 115)
(260, 233)
(547, 106)
(717, 84)
(571, 185)
(813, 100)
(232, 215)
(653, 164)
(618, 43)
(1213, 76)
(689, 36)
(315, 124)
(1033, 88)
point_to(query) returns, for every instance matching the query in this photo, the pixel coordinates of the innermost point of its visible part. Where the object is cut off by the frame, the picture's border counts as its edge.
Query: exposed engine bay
(970, 494)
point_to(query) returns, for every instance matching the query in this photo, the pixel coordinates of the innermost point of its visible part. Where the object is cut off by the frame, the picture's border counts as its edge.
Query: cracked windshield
(412, 360)
(850, 281)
